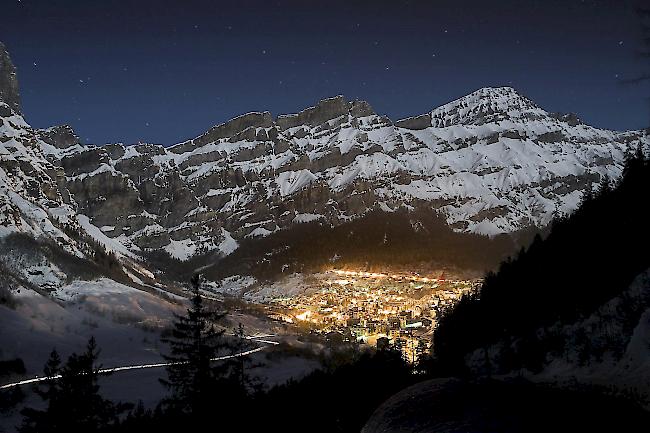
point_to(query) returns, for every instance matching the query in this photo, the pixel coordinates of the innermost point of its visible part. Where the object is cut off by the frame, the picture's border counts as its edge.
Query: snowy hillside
(610, 347)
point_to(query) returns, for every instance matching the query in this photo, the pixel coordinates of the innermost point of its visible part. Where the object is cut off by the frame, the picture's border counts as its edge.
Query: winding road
(257, 339)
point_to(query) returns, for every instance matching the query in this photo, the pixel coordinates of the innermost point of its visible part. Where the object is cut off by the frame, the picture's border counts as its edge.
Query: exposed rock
(9, 91)
(325, 110)
(227, 129)
(418, 122)
(61, 137)
(85, 162)
(571, 119)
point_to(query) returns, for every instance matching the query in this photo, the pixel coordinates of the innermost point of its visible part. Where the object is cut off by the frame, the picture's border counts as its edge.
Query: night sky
(162, 71)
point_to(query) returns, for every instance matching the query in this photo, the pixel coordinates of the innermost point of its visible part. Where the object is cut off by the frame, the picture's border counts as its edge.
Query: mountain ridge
(363, 105)
(491, 162)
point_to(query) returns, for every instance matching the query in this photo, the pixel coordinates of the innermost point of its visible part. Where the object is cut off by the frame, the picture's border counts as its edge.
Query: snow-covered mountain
(490, 162)
(44, 241)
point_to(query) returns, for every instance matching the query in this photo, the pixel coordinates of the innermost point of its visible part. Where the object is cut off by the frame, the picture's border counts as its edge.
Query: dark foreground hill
(454, 406)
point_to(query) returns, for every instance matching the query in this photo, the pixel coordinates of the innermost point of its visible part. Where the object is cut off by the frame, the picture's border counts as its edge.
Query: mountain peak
(488, 104)
(9, 93)
(501, 94)
(498, 90)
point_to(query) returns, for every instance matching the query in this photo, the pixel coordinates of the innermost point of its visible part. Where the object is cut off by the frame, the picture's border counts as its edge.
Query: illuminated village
(377, 309)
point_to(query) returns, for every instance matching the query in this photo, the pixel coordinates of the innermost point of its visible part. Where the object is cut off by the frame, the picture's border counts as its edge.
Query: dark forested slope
(586, 260)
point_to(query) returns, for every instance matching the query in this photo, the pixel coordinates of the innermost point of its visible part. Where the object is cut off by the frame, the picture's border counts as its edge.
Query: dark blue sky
(162, 71)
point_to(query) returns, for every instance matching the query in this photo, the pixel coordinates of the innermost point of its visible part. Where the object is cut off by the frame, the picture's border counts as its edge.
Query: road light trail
(144, 366)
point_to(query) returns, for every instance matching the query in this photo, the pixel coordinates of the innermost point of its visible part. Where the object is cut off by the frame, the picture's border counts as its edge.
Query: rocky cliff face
(8, 81)
(491, 162)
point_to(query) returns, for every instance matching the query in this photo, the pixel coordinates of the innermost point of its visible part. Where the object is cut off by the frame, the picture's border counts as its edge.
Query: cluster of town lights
(366, 306)
(380, 275)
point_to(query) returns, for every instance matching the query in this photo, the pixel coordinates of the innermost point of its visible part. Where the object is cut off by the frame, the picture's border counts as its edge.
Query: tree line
(377, 239)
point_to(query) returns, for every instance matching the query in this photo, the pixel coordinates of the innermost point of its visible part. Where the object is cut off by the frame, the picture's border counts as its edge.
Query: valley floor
(128, 325)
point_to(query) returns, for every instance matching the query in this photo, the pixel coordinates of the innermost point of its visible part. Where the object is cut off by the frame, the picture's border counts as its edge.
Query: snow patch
(291, 181)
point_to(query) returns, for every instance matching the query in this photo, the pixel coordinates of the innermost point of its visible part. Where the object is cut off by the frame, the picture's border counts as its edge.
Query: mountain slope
(45, 242)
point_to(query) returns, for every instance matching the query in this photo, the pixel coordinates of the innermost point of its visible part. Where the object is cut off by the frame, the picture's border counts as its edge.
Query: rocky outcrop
(571, 119)
(8, 81)
(61, 137)
(325, 110)
(226, 130)
(418, 122)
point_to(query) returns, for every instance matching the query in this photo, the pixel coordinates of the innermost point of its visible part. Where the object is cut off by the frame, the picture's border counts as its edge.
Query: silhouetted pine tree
(244, 383)
(49, 392)
(10, 397)
(71, 394)
(339, 399)
(141, 420)
(192, 378)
